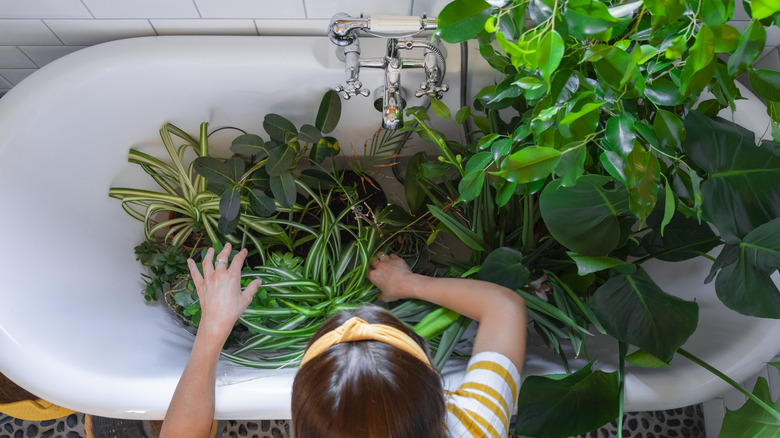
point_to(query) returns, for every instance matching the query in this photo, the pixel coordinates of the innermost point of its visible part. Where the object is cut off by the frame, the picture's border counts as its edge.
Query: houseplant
(597, 152)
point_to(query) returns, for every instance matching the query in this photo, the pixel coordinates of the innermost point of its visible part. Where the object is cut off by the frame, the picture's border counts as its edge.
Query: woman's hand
(219, 289)
(392, 276)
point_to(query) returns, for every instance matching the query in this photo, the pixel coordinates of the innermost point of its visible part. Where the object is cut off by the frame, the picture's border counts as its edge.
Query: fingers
(195, 273)
(238, 261)
(222, 258)
(251, 289)
(208, 263)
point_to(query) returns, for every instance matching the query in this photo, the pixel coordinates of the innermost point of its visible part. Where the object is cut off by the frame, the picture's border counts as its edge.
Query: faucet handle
(431, 90)
(353, 88)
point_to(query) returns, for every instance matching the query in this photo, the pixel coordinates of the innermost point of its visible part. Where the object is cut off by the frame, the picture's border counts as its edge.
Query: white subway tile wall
(36, 32)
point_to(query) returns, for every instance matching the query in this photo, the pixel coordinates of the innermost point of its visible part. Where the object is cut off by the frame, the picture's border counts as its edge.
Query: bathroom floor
(683, 422)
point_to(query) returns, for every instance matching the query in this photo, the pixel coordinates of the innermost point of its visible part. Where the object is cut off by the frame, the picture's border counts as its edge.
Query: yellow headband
(356, 329)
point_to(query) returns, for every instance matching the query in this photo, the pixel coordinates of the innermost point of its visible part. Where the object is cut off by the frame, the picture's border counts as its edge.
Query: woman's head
(367, 388)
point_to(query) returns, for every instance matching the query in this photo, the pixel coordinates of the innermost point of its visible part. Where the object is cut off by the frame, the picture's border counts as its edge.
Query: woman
(365, 374)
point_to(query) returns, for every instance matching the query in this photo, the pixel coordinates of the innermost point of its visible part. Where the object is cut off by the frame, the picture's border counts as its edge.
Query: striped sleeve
(485, 402)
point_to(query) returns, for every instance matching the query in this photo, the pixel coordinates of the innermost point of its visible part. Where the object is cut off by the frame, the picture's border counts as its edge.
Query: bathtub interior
(74, 328)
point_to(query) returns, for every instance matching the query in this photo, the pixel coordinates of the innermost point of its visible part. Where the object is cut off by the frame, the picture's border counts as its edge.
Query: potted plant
(594, 153)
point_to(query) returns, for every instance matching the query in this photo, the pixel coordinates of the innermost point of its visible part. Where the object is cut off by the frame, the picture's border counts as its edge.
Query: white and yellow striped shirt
(484, 403)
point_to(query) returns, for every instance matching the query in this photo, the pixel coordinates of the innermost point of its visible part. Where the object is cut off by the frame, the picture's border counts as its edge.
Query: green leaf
(714, 12)
(465, 235)
(471, 185)
(261, 203)
(236, 166)
(280, 160)
(462, 115)
(214, 170)
(620, 134)
(746, 286)
(589, 264)
(644, 359)
(229, 210)
(309, 134)
(440, 109)
(324, 148)
(329, 113)
(567, 405)
(664, 11)
(549, 53)
(585, 216)
(504, 266)
(703, 49)
(681, 239)
(586, 18)
(669, 129)
(761, 9)
(642, 174)
(751, 44)
(633, 309)
(572, 163)
(726, 38)
(248, 144)
(283, 188)
(751, 420)
(415, 196)
(743, 188)
(663, 92)
(462, 20)
(529, 164)
(765, 83)
(279, 128)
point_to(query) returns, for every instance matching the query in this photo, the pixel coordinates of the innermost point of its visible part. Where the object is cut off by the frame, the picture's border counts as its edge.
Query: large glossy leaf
(589, 264)
(751, 420)
(587, 18)
(743, 189)
(760, 9)
(555, 406)
(682, 238)
(620, 135)
(462, 20)
(749, 49)
(746, 286)
(663, 92)
(504, 266)
(530, 164)
(664, 11)
(549, 53)
(669, 129)
(283, 189)
(633, 309)
(765, 83)
(329, 113)
(714, 12)
(324, 148)
(585, 216)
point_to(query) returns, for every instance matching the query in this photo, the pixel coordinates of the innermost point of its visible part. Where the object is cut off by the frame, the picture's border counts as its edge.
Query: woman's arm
(222, 301)
(500, 311)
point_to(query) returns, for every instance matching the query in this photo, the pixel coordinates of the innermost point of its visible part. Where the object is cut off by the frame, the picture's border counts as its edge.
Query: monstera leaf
(585, 217)
(567, 405)
(745, 285)
(633, 309)
(743, 188)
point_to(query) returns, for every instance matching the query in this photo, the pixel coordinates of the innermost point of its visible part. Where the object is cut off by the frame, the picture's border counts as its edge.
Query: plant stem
(731, 382)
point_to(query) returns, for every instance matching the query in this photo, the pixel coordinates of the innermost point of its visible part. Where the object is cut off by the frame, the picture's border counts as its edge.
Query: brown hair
(367, 389)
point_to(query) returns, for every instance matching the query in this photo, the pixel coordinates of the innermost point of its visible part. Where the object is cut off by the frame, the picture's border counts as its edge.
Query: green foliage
(752, 420)
(592, 147)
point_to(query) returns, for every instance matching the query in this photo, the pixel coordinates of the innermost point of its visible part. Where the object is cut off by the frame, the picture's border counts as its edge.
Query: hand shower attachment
(344, 31)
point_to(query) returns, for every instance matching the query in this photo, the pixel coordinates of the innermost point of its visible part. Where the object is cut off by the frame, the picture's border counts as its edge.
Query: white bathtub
(74, 328)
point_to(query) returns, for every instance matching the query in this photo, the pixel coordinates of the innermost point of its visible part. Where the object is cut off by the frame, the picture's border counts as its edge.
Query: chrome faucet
(343, 31)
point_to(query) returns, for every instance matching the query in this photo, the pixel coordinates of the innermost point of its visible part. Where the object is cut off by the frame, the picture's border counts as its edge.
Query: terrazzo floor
(684, 422)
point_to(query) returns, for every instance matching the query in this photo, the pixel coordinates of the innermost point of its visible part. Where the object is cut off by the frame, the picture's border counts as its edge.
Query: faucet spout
(392, 102)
